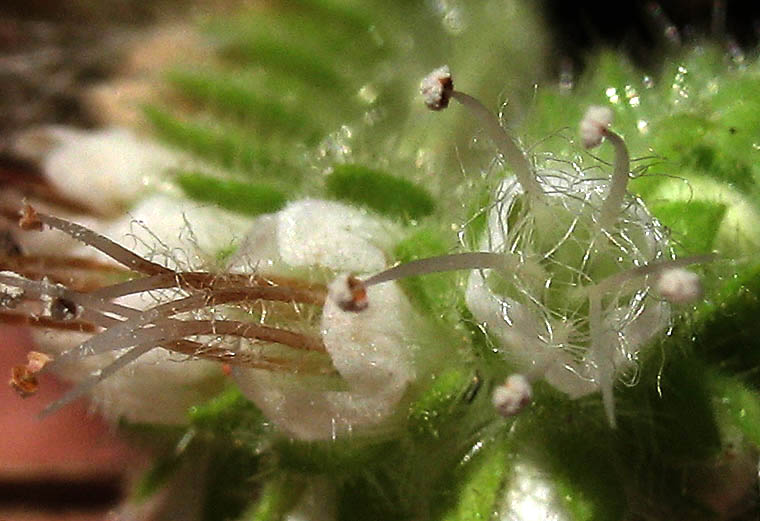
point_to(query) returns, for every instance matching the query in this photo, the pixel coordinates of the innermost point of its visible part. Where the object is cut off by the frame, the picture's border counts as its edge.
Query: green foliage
(229, 94)
(227, 146)
(693, 225)
(482, 483)
(236, 196)
(386, 194)
(276, 498)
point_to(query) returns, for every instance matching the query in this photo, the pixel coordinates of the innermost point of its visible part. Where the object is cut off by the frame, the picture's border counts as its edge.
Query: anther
(24, 377)
(29, 220)
(679, 286)
(514, 395)
(438, 87)
(349, 293)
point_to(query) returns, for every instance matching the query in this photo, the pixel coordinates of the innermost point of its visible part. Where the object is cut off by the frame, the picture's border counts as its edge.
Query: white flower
(541, 314)
(372, 351)
(571, 303)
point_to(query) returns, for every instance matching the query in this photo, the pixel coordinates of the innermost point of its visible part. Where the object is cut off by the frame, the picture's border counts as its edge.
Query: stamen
(601, 354)
(279, 289)
(114, 337)
(21, 319)
(652, 268)
(593, 128)
(247, 359)
(88, 383)
(33, 220)
(49, 262)
(438, 87)
(24, 377)
(349, 293)
(679, 286)
(23, 381)
(147, 339)
(138, 332)
(514, 395)
(476, 260)
(43, 289)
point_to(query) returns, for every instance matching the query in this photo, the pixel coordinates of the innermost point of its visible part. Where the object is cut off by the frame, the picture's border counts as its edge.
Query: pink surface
(70, 444)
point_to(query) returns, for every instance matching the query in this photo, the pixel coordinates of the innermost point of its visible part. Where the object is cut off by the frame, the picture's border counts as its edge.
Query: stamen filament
(117, 252)
(266, 288)
(88, 383)
(618, 279)
(613, 203)
(504, 142)
(113, 337)
(476, 260)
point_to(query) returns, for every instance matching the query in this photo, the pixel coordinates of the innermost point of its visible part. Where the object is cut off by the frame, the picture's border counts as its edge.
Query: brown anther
(29, 219)
(37, 361)
(24, 381)
(358, 293)
(437, 89)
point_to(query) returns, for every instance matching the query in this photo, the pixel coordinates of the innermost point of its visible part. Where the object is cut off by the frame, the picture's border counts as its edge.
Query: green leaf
(386, 194)
(693, 224)
(236, 196)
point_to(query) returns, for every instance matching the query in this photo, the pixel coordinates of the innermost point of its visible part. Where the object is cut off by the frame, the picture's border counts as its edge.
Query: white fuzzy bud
(369, 350)
(512, 396)
(106, 170)
(436, 88)
(679, 286)
(594, 124)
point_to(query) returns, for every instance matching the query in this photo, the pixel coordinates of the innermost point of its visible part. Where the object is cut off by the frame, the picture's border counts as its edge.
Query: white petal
(332, 235)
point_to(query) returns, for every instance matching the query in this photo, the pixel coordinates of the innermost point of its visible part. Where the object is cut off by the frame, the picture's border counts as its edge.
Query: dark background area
(50, 50)
(639, 28)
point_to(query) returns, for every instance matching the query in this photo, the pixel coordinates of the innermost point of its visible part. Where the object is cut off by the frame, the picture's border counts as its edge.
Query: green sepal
(229, 95)
(693, 224)
(156, 477)
(275, 499)
(384, 193)
(724, 329)
(430, 413)
(739, 405)
(236, 196)
(481, 483)
(225, 145)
